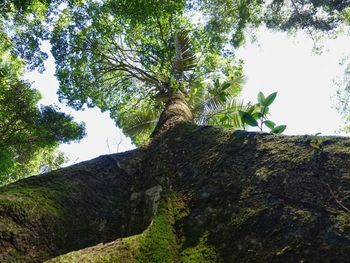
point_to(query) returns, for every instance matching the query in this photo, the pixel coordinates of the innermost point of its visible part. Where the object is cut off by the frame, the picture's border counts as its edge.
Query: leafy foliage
(343, 94)
(130, 57)
(23, 26)
(228, 20)
(28, 134)
(116, 55)
(237, 18)
(107, 56)
(320, 15)
(220, 106)
(256, 115)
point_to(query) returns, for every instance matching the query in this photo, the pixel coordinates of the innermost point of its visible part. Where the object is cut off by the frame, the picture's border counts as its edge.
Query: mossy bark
(195, 194)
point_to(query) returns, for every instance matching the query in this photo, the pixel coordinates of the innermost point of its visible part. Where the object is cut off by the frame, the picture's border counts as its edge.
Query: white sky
(303, 80)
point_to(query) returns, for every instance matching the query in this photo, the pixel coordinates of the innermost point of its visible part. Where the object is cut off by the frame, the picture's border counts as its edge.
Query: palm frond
(231, 116)
(222, 112)
(219, 97)
(185, 57)
(140, 124)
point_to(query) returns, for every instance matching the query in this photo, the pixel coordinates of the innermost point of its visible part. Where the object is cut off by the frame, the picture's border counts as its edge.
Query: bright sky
(303, 80)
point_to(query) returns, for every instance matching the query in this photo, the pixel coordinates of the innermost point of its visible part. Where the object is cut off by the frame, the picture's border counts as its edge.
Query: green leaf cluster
(23, 27)
(229, 20)
(29, 135)
(220, 106)
(129, 57)
(256, 115)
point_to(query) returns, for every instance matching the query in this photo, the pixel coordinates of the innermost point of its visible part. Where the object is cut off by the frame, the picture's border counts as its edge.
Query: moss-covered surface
(201, 252)
(244, 197)
(66, 209)
(120, 251)
(158, 243)
(262, 197)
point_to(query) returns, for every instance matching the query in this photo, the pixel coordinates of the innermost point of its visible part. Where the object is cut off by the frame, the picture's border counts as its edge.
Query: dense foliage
(23, 26)
(323, 15)
(29, 135)
(130, 57)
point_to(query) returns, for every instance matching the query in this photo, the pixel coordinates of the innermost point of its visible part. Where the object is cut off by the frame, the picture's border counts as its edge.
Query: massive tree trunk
(195, 194)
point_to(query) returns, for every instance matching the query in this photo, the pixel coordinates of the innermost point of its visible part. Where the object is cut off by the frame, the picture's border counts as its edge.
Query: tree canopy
(130, 57)
(29, 135)
(26, 131)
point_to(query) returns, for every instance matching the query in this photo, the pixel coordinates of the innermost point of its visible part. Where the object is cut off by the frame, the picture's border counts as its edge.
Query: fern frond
(231, 116)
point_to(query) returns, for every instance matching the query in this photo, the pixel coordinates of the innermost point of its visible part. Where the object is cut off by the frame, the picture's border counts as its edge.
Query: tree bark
(175, 111)
(195, 194)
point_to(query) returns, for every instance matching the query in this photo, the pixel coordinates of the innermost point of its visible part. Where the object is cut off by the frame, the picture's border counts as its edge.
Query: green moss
(343, 222)
(159, 241)
(283, 250)
(156, 244)
(338, 146)
(119, 251)
(32, 202)
(247, 192)
(263, 173)
(304, 215)
(114, 252)
(11, 226)
(202, 252)
(244, 215)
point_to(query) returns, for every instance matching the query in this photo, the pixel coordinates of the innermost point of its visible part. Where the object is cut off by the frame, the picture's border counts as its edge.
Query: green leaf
(248, 119)
(270, 124)
(261, 98)
(270, 99)
(252, 108)
(217, 83)
(256, 115)
(264, 110)
(226, 85)
(223, 118)
(279, 129)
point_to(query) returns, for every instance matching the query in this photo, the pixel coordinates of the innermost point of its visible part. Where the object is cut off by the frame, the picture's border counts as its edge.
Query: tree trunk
(195, 194)
(175, 111)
